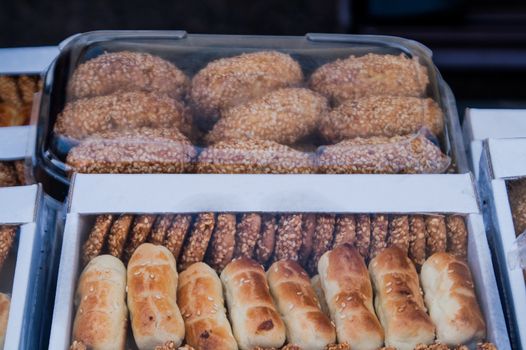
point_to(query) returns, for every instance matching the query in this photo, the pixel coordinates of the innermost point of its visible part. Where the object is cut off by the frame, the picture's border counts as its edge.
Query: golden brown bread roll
(307, 326)
(349, 295)
(5, 304)
(398, 300)
(450, 297)
(101, 318)
(370, 75)
(284, 116)
(253, 315)
(381, 116)
(152, 297)
(227, 82)
(127, 71)
(200, 297)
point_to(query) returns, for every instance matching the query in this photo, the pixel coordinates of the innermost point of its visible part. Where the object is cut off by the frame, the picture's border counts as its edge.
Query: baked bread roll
(5, 304)
(316, 285)
(200, 298)
(349, 295)
(451, 300)
(307, 326)
(398, 300)
(254, 318)
(152, 289)
(101, 318)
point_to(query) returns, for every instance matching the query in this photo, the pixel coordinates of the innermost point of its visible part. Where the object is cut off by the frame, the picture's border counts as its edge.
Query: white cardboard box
(504, 160)
(481, 124)
(291, 193)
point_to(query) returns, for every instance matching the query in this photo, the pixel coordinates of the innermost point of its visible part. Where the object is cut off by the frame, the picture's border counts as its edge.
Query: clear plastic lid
(157, 102)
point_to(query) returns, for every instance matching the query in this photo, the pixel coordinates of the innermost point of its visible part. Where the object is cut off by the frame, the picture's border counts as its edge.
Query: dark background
(479, 46)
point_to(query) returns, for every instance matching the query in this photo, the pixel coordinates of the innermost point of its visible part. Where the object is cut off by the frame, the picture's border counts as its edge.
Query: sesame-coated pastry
(370, 75)
(363, 234)
(399, 232)
(127, 71)
(323, 237)
(417, 240)
(457, 236)
(227, 82)
(267, 239)
(143, 150)
(379, 225)
(176, 234)
(160, 227)
(434, 346)
(486, 346)
(11, 115)
(408, 154)
(195, 247)
(9, 92)
(7, 175)
(221, 248)
(284, 116)
(28, 87)
(345, 230)
(141, 228)
(78, 345)
(436, 236)
(381, 116)
(96, 238)
(246, 156)
(247, 234)
(171, 345)
(121, 111)
(7, 238)
(288, 237)
(517, 198)
(119, 234)
(343, 346)
(308, 228)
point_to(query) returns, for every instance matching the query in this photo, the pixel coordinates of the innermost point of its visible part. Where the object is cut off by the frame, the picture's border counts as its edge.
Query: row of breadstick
(281, 306)
(266, 237)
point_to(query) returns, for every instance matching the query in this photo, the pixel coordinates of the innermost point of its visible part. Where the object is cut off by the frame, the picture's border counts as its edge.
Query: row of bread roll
(16, 99)
(403, 322)
(219, 238)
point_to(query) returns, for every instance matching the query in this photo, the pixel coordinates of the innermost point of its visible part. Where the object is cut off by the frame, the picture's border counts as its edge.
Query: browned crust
(141, 228)
(143, 150)
(7, 238)
(408, 154)
(8, 176)
(345, 230)
(127, 71)
(247, 234)
(308, 228)
(119, 234)
(96, 238)
(363, 234)
(417, 240)
(240, 156)
(399, 232)
(221, 247)
(195, 248)
(288, 237)
(267, 239)
(436, 236)
(160, 227)
(323, 237)
(457, 236)
(176, 234)
(379, 224)
(20, 168)
(9, 91)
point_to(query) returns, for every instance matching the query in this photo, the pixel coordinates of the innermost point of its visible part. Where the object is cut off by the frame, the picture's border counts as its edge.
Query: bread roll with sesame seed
(101, 319)
(152, 297)
(200, 297)
(349, 295)
(451, 299)
(307, 326)
(370, 75)
(284, 116)
(398, 300)
(253, 315)
(227, 82)
(5, 304)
